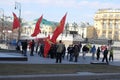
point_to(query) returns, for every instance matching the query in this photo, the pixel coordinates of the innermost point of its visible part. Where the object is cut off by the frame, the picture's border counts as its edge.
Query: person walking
(85, 50)
(105, 54)
(59, 52)
(98, 53)
(111, 55)
(93, 51)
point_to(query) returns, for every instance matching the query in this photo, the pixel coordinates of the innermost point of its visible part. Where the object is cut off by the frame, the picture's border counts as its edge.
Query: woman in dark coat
(98, 53)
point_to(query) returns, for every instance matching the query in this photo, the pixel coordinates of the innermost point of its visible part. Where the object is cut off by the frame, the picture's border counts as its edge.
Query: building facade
(107, 23)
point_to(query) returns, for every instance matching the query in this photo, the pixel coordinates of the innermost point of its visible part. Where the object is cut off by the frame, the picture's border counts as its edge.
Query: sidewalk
(36, 59)
(80, 76)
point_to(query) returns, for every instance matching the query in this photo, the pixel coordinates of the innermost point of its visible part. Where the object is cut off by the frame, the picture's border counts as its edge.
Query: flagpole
(61, 36)
(18, 6)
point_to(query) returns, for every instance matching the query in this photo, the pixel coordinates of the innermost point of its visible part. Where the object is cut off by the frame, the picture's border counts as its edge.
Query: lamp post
(2, 11)
(66, 28)
(18, 6)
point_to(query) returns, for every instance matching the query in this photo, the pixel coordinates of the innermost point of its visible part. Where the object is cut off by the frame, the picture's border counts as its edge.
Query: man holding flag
(56, 33)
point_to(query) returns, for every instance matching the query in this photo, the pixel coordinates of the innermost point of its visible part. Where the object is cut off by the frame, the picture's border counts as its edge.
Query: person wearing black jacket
(70, 52)
(24, 47)
(76, 52)
(105, 53)
(98, 53)
(85, 50)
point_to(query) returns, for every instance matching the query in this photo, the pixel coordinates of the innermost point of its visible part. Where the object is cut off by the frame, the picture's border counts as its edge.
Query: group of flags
(48, 41)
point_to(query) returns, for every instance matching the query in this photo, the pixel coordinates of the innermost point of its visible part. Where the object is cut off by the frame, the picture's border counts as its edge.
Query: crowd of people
(59, 51)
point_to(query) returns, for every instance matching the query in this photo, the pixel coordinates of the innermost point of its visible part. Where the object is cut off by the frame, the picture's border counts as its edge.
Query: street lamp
(2, 11)
(18, 6)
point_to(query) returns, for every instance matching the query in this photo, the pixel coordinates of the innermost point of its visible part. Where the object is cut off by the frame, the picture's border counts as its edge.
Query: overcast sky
(53, 10)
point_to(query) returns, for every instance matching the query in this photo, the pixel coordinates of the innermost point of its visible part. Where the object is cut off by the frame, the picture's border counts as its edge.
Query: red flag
(59, 29)
(16, 22)
(37, 27)
(47, 46)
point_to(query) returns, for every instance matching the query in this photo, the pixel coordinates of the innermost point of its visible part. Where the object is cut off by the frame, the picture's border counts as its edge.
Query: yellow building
(107, 23)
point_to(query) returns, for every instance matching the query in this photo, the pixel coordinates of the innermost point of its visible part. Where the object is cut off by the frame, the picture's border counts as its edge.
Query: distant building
(91, 32)
(79, 29)
(107, 23)
(46, 27)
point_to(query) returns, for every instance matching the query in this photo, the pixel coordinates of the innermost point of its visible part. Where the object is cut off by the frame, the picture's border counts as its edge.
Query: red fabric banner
(47, 46)
(37, 27)
(59, 29)
(16, 22)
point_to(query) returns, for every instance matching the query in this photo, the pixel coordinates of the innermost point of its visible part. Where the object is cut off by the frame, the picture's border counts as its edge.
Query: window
(116, 33)
(116, 26)
(110, 36)
(104, 25)
(103, 36)
(111, 25)
(110, 32)
(117, 15)
(111, 15)
(105, 15)
(104, 32)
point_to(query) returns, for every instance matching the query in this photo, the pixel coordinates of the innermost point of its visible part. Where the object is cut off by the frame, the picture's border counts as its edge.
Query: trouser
(24, 51)
(31, 53)
(105, 57)
(93, 56)
(111, 57)
(71, 57)
(98, 56)
(76, 58)
(59, 57)
(84, 53)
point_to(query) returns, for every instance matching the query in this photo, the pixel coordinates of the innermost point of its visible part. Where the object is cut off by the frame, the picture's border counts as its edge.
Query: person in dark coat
(52, 51)
(98, 53)
(69, 48)
(32, 48)
(70, 51)
(64, 52)
(76, 52)
(85, 50)
(105, 54)
(80, 46)
(24, 47)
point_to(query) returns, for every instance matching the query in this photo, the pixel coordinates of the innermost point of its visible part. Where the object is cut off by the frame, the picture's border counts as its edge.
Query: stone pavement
(36, 59)
(79, 76)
